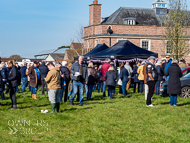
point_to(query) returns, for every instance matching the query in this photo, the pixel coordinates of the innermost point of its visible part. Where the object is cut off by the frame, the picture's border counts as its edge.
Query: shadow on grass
(183, 104)
(24, 107)
(98, 98)
(72, 109)
(88, 103)
(164, 103)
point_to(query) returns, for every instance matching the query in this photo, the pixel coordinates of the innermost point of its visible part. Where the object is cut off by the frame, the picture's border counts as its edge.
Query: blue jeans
(70, 92)
(157, 88)
(76, 85)
(86, 90)
(16, 89)
(111, 90)
(141, 85)
(34, 90)
(61, 93)
(90, 89)
(104, 86)
(94, 87)
(24, 83)
(124, 88)
(173, 100)
(100, 86)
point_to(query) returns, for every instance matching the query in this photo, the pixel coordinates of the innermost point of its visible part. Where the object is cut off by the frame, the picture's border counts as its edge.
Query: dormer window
(130, 21)
(160, 7)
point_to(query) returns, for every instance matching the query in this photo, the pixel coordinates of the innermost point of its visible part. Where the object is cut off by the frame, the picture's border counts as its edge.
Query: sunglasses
(167, 57)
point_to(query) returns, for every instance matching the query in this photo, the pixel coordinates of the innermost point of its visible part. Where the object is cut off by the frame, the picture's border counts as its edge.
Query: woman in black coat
(13, 80)
(111, 77)
(174, 84)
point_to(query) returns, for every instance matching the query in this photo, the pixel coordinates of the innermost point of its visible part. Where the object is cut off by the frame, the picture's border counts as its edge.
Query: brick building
(141, 26)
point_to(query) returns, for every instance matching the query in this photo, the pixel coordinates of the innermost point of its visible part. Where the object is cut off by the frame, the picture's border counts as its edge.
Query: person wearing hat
(166, 65)
(160, 76)
(35, 78)
(182, 64)
(53, 80)
(174, 83)
(65, 74)
(152, 76)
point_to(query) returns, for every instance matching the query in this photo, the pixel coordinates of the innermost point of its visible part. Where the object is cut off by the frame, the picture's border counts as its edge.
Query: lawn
(124, 120)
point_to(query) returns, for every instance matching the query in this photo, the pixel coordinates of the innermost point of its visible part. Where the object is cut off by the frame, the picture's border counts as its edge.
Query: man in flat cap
(152, 76)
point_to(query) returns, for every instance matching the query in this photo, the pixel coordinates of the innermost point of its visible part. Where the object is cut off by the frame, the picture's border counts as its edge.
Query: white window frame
(149, 43)
(189, 48)
(121, 39)
(88, 44)
(96, 42)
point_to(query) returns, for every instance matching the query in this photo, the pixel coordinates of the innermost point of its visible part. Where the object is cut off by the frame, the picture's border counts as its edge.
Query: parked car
(185, 87)
(185, 71)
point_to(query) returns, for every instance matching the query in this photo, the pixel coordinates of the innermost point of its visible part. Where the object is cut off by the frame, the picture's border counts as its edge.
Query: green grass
(101, 120)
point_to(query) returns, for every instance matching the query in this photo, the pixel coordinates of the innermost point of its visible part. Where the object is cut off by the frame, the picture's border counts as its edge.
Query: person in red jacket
(103, 70)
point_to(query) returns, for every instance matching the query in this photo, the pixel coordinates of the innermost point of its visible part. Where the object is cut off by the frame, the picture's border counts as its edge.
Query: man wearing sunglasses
(166, 66)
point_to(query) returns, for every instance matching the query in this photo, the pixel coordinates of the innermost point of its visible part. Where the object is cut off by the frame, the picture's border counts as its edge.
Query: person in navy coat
(135, 74)
(124, 78)
(3, 79)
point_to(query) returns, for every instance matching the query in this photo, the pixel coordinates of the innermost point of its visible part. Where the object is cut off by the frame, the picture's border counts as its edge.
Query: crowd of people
(64, 81)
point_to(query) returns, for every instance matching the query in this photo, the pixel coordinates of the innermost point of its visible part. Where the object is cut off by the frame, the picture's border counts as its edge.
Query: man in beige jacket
(141, 76)
(53, 80)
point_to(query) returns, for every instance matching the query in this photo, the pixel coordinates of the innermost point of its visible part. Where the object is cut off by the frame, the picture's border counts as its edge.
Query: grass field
(124, 120)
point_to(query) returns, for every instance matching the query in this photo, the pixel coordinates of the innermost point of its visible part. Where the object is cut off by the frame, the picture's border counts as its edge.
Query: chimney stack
(95, 13)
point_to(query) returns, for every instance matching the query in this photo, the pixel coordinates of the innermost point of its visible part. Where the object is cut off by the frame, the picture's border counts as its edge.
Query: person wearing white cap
(160, 76)
(152, 76)
(65, 74)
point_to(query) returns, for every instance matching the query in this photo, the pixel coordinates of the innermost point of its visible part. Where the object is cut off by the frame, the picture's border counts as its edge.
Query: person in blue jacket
(166, 65)
(3, 79)
(124, 78)
(24, 76)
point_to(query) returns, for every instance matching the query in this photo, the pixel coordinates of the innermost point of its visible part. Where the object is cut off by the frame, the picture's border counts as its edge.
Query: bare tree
(16, 58)
(176, 24)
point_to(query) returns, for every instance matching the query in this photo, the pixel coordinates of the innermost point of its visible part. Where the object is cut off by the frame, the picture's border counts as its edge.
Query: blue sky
(30, 26)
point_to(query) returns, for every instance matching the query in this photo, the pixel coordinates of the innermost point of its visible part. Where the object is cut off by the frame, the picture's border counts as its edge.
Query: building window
(121, 39)
(145, 44)
(96, 42)
(130, 21)
(169, 47)
(159, 5)
(163, 5)
(88, 45)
